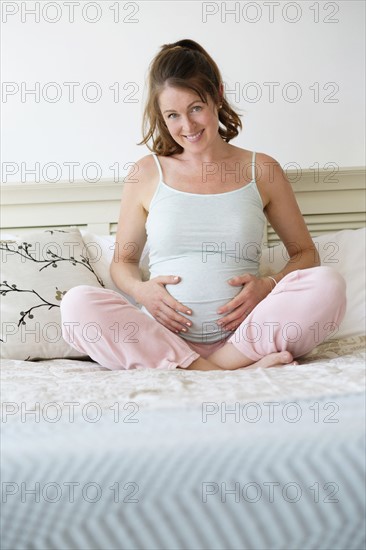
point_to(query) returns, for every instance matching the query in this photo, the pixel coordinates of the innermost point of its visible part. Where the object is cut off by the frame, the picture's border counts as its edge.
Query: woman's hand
(163, 307)
(254, 291)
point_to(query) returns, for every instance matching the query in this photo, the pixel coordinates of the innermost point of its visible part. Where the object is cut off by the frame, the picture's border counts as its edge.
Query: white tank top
(206, 240)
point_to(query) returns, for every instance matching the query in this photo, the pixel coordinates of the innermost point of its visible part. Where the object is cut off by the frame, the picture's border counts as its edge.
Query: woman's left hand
(254, 291)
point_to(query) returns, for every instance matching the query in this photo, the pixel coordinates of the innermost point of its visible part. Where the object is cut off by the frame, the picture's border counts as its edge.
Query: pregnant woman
(201, 204)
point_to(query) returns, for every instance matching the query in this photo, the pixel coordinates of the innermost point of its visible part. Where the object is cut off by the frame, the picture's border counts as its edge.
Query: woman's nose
(188, 124)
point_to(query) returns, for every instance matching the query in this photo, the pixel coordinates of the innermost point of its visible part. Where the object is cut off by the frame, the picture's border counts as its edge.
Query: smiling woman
(202, 214)
(185, 75)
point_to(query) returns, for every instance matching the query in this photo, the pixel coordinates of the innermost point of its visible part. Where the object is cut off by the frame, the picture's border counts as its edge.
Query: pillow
(7, 236)
(345, 252)
(37, 271)
(100, 251)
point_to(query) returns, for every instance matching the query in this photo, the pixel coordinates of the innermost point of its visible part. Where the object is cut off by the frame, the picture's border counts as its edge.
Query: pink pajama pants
(305, 308)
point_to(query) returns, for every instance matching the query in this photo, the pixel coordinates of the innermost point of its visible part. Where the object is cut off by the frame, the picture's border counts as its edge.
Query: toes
(286, 357)
(274, 359)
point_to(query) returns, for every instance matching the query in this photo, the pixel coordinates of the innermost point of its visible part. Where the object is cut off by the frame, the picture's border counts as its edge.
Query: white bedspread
(333, 368)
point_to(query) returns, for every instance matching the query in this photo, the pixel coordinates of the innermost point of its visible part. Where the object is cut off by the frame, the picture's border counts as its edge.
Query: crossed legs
(293, 319)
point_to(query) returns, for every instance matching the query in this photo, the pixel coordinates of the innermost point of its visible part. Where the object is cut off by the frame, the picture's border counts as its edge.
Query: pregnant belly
(203, 289)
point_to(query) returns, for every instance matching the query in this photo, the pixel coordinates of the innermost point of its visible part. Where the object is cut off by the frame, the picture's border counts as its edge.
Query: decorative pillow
(345, 252)
(37, 271)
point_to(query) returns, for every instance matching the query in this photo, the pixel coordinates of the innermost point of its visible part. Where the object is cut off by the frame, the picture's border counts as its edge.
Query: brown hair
(183, 64)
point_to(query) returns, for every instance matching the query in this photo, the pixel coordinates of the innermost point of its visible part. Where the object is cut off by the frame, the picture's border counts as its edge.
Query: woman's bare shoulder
(142, 170)
(269, 175)
(266, 163)
(268, 169)
(143, 178)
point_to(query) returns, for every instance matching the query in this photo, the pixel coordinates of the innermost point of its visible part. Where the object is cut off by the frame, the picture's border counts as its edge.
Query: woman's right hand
(163, 307)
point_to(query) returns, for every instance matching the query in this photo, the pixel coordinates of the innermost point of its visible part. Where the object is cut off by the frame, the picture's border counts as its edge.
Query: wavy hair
(183, 64)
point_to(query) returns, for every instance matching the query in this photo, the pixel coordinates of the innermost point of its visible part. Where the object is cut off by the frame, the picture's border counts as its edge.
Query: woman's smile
(193, 138)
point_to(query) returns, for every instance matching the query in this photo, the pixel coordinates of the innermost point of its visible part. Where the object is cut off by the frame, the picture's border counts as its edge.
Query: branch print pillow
(36, 272)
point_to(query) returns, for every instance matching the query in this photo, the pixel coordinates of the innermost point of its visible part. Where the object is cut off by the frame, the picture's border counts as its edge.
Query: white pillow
(7, 236)
(345, 252)
(37, 270)
(100, 250)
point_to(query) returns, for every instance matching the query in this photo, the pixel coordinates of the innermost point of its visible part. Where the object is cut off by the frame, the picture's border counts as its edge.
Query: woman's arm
(283, 213)
(130, 237)
(130, 241)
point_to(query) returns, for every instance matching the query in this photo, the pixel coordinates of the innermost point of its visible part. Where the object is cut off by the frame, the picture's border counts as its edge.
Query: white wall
(106, 132)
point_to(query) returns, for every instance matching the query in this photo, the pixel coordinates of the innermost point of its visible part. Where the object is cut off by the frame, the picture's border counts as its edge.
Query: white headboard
(92, 206)
(329, 200)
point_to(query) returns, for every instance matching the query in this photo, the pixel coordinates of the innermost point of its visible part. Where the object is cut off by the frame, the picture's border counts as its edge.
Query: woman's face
(191, 123)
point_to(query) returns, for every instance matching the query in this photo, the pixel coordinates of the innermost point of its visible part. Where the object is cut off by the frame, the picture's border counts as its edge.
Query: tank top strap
(253, 166)
(158, 165)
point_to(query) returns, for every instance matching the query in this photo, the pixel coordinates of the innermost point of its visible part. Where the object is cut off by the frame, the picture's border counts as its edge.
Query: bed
(142, 459)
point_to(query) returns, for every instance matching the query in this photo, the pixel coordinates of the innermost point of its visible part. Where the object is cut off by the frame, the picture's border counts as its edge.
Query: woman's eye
(196, 108)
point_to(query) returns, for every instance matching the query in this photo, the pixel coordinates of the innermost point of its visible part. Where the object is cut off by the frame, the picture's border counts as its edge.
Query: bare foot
(230, 358)
(273, 360)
